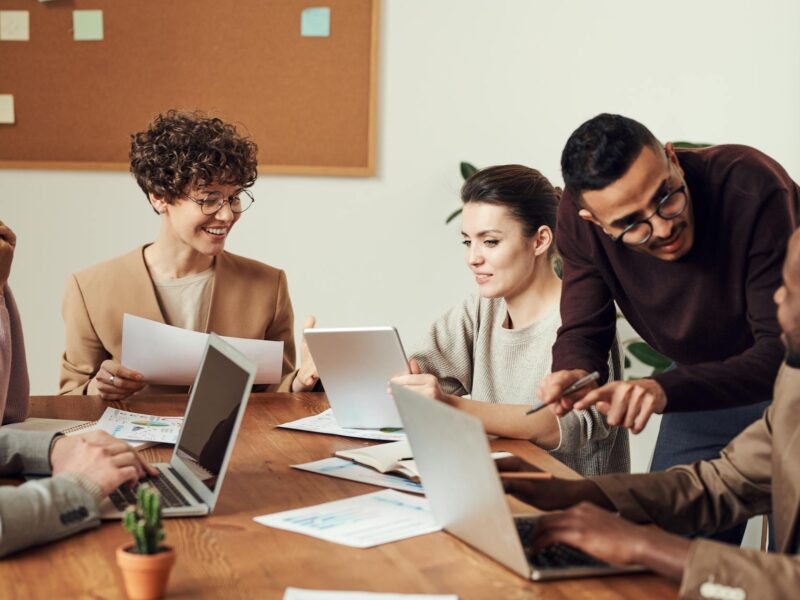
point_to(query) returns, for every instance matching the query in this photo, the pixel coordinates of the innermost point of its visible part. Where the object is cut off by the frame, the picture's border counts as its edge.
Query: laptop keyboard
(557, 556)
(124, 496)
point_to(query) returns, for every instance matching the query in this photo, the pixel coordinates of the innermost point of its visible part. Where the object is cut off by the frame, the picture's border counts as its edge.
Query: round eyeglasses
(213, 202)
(671, 206)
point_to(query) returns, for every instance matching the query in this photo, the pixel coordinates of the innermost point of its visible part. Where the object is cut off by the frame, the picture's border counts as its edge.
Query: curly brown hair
(180, 149)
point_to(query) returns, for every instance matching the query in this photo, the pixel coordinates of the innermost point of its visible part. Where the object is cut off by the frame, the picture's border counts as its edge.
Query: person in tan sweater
(754, 474)
(195, 172)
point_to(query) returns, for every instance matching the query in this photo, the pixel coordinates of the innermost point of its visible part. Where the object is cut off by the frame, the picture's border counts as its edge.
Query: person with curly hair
(195, 172)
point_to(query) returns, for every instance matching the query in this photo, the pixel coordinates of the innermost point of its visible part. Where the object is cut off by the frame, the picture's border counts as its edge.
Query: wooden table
(228, 555)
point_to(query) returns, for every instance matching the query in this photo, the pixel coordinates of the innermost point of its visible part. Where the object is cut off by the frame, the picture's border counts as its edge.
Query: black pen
(578, 385)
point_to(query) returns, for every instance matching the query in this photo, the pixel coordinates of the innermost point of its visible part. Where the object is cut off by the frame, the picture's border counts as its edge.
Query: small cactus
(144, 521)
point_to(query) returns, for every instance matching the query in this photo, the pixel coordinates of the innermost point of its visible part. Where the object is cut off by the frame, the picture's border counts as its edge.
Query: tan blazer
(249, 300)
(758, 472)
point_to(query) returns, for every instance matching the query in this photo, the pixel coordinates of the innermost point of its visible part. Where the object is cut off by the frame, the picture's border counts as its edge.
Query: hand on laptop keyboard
(594, 532)
(170, 496)
(104, 460)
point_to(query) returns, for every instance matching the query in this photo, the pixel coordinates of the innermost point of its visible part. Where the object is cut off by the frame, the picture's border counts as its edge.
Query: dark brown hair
(601, 151)
(526, 193)
(180, 149)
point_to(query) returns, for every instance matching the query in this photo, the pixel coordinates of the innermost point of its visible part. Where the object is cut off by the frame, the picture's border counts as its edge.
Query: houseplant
(146, 563)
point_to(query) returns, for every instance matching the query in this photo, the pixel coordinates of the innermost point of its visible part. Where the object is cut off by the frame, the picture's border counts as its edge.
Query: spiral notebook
(68, 427)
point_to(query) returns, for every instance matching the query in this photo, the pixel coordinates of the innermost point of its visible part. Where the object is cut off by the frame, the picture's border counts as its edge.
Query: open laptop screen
(211, 418)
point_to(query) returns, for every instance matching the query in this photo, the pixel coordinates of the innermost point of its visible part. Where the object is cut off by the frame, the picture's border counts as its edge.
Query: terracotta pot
(145, 575)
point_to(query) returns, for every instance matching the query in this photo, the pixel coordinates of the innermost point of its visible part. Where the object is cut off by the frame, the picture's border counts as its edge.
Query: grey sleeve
(41, 510)
(44, 510)
(25, 451)
(447, 351)
(579, 426)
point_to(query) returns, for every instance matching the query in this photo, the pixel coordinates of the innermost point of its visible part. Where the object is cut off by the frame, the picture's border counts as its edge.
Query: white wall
(489, 81)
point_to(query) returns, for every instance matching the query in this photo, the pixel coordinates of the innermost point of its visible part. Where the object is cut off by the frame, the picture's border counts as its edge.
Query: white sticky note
(315, 22)
(15, 26)
(7, 109)
(87, 25)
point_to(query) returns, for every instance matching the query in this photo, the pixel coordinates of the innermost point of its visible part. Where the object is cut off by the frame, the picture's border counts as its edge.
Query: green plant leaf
(468, 170)
(648, 356)
(691, 144)
(627, 363)
(452, 216)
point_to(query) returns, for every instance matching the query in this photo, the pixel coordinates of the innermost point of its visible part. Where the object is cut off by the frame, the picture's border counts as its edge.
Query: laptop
(190, 483)
(355, 365)
(461, 483)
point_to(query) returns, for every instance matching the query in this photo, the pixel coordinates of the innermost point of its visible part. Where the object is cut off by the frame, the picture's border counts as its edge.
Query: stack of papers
(361, 521)
(139, 429)
(325, 422)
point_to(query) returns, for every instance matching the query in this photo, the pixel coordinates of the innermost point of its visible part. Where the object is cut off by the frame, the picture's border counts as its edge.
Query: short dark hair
(601, 151)
(179, 149)
(526, 193)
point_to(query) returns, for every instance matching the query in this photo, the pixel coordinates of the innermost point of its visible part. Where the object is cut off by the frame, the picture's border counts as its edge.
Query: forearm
(557, 494)
(744, 379)
(25, 452)
(44, 510)
(662, 552)
(510, 421)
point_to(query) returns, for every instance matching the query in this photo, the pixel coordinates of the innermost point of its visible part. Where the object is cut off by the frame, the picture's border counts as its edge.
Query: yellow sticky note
(15, 26)
(87, 25)
(7, 109)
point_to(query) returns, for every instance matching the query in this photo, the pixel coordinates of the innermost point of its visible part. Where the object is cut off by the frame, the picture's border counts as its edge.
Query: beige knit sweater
(471, 353)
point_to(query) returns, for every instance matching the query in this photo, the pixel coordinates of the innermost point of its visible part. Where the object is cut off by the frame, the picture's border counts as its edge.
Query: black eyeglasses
(669, 207)
(213, 202)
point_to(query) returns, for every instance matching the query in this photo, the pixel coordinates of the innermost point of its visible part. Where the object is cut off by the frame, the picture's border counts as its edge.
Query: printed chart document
(170, 355)
(127, 425)
(360, 521)
(138, 429)
(302, 594)
(325, 422)
(345, 469)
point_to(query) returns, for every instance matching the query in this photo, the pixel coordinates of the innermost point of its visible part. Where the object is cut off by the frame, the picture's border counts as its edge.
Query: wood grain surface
(228, 555)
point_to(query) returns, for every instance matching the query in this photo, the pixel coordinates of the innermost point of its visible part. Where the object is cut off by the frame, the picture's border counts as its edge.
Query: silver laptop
(190, 483)
(461, 483)
(355, 365)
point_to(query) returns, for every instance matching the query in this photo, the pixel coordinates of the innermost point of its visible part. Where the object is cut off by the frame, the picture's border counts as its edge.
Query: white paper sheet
(345, 469)
(360, 521)
(170, 355)
(325, 422)
(132, 426)
(302, 594)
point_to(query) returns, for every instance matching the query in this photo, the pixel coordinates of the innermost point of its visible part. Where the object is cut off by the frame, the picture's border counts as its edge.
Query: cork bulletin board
(297, 76)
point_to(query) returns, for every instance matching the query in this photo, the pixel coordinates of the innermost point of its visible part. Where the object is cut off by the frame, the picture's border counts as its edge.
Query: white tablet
(355, 365)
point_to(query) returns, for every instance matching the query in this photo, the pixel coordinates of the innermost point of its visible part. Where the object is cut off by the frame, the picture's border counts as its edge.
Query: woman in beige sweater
(496, 346)
(195, 172)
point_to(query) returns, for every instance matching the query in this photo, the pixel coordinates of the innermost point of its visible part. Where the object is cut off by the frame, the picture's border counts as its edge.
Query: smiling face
(787, 297)
(635, 196)
(497, 252)
(186, 224)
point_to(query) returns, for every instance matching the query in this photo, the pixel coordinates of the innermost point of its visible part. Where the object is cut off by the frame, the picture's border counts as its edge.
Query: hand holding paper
(169, 355)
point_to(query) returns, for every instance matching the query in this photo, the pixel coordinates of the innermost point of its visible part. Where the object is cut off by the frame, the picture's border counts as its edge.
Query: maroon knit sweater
(711, 311)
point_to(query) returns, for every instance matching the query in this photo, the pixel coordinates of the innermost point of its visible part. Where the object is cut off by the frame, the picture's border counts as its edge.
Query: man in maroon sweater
(689, 244)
